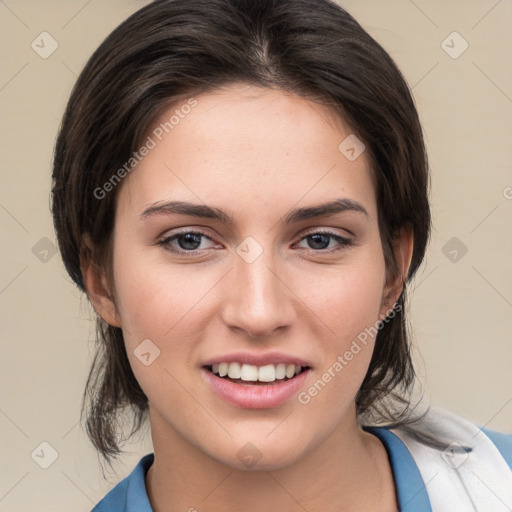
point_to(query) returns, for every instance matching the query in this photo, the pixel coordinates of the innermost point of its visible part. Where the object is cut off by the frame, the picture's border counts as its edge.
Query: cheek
(347, 298)
(164, 307)
(348, 301)
(360, 300)
(152, 296)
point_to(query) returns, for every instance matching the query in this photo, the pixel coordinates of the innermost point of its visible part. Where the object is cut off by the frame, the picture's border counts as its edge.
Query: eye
(192, 242)
(186, 241)
(321, 240)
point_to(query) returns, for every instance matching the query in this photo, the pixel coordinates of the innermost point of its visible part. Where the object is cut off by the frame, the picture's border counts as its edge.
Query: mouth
(252, 375)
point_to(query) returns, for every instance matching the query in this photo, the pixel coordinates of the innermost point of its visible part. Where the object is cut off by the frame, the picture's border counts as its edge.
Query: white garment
(458, 481)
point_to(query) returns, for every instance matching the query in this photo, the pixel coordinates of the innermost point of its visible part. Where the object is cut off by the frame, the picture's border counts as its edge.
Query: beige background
(461, 311)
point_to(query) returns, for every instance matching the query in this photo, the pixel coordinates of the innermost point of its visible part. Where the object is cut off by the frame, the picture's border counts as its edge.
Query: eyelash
(343, 241)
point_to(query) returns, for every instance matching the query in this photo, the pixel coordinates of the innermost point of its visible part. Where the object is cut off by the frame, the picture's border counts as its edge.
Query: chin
(260, 452)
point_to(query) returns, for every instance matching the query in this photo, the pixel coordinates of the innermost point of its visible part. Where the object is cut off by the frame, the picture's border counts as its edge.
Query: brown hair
(173, 49)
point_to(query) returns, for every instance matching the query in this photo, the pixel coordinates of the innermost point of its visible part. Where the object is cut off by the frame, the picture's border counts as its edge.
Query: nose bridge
(258, 301)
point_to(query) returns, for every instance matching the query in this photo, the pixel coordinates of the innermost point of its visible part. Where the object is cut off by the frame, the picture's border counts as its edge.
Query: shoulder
(461, 463)
(129, 495)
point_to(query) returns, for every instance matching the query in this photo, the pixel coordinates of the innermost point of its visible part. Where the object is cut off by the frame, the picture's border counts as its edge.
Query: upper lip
(257, 359)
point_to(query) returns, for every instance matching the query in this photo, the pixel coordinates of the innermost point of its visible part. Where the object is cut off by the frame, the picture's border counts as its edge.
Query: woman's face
(248, 235)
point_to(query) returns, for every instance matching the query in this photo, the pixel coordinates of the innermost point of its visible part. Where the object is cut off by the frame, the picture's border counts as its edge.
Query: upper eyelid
(326, 231)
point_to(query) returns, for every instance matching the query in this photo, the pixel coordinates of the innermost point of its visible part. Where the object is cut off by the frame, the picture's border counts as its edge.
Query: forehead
(248, 146)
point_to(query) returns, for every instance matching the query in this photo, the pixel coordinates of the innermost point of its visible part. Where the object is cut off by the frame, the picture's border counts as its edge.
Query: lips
(255, 381)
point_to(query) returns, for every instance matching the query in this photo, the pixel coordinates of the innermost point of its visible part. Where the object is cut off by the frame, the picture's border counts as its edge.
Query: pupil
(189, 241)
(319, 241)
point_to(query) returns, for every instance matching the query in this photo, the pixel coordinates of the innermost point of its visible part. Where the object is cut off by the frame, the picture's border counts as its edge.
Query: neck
(348, 471)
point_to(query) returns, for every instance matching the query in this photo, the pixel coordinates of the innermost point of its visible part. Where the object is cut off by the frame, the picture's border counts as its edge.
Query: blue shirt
(130, 494)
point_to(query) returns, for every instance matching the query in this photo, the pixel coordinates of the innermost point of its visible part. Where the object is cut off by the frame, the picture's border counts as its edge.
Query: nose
(258, 301)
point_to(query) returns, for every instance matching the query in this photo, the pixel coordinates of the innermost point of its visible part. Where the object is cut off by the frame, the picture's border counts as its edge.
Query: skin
(256, 154)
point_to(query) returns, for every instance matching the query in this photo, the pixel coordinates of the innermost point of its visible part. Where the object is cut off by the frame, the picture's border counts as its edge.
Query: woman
(241, 190)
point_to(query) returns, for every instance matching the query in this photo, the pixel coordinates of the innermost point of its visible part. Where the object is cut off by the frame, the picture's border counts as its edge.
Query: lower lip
(255, 396)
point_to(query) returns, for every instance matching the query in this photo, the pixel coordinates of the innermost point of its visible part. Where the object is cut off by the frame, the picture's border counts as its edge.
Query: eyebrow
(209, 212)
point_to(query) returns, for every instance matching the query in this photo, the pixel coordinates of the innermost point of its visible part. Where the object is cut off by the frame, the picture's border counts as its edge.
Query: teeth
(234, 371)
(280, 371)
(252, 373)
(267, 373)
(249, 372)
(223, 369)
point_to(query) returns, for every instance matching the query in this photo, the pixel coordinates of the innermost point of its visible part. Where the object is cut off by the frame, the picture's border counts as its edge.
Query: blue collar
(130, 494)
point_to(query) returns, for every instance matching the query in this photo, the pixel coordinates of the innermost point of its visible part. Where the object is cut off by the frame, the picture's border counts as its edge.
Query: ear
(96, 284)
(403, 245)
